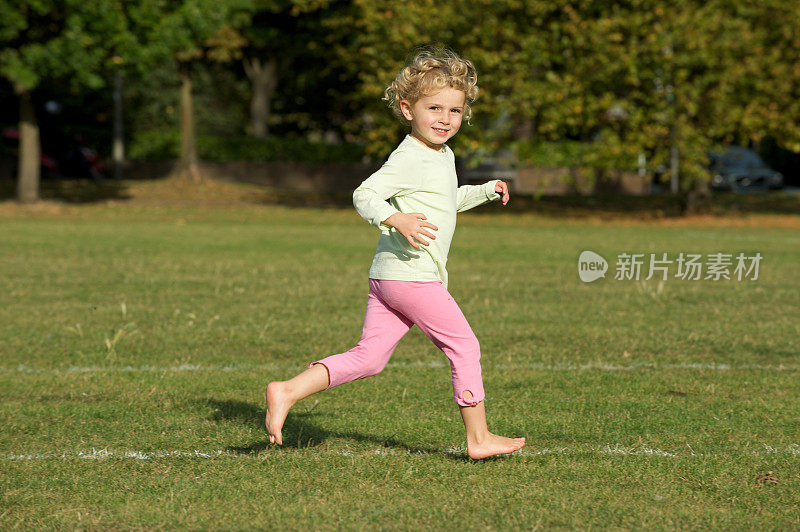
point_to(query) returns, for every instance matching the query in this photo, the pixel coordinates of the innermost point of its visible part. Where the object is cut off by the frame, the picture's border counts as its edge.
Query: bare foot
(493, 445)
(278, 405)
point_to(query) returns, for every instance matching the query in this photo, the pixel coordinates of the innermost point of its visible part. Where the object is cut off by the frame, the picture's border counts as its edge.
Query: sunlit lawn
(136, 342)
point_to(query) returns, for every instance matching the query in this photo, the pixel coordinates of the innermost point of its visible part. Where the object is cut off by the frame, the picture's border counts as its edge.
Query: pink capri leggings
(392, 308)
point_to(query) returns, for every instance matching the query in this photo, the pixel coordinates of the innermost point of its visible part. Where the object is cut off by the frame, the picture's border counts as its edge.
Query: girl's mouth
(441, 132)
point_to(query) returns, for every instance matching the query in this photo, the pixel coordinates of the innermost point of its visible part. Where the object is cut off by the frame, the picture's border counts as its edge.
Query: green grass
(131, 337)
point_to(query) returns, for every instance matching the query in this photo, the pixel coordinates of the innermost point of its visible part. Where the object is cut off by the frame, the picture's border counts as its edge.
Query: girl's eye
(433, 108)
(456, 110)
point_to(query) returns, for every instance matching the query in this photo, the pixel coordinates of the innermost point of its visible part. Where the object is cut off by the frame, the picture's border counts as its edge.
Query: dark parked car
(739, 169)
(491, 167)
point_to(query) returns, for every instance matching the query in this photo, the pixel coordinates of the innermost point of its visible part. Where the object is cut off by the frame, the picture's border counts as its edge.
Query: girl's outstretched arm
(470, 196)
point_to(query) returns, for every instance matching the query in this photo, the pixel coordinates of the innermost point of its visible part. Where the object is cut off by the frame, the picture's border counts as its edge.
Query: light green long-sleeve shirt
(416, 178)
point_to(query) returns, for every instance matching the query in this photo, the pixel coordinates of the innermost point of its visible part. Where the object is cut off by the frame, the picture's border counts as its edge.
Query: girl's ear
(405, 108)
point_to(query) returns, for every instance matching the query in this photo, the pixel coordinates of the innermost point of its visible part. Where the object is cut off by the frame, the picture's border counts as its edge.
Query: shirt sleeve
(394, 178)
(469, 196)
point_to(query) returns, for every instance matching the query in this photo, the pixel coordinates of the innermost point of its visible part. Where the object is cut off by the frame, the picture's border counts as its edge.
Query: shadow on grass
(653, 206)
(293, 198)
(84, 191)
(575, 205)
(299, 431)
(73, 191)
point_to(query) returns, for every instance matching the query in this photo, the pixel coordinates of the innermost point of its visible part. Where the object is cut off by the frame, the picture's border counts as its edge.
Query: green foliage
(564, 153)
(155, 144)
(220, 99)
(182, 31)
(165, 144)
(640, 76)
(626, 78)
(68, 40)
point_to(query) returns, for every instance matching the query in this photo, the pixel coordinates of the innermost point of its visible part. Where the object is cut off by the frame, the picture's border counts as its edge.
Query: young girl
(408, 281)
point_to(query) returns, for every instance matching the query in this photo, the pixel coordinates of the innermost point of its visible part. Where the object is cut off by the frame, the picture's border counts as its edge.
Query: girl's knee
(375, 369)
(370, 364)
(470, 351)
(464, 349)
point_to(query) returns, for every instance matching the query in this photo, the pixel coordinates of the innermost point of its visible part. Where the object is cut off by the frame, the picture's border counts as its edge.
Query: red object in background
(79, 162)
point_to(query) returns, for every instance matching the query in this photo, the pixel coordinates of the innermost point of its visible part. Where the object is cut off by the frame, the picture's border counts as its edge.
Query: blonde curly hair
(429, 72)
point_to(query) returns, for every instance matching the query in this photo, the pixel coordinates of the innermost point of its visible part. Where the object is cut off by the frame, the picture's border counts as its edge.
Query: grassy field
(136, 340)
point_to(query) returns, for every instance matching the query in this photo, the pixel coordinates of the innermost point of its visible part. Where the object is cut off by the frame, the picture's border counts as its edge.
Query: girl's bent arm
(395, 178)
(411, 225)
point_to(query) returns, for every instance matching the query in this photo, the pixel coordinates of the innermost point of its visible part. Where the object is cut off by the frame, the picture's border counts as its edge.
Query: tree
(271, 42)
(43, 41)
(291, 37)
(185, 32)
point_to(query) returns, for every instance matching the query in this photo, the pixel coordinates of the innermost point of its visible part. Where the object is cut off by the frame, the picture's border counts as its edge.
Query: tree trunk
(118, 150)
(29, 168)
(697, 199)
(264, 79)
(674, 169)
(188, 167)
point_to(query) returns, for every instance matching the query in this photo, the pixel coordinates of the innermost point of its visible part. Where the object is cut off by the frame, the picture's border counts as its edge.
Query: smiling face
(435, 118)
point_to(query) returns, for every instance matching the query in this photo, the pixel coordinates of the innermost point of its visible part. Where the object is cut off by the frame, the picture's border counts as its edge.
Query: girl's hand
(501, 188)
(411, 226)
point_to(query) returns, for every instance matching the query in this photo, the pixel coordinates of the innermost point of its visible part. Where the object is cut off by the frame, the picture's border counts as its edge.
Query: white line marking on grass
(634, 450)
(644, 365)
(104, 454)
(792, 450)
(23, 369)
